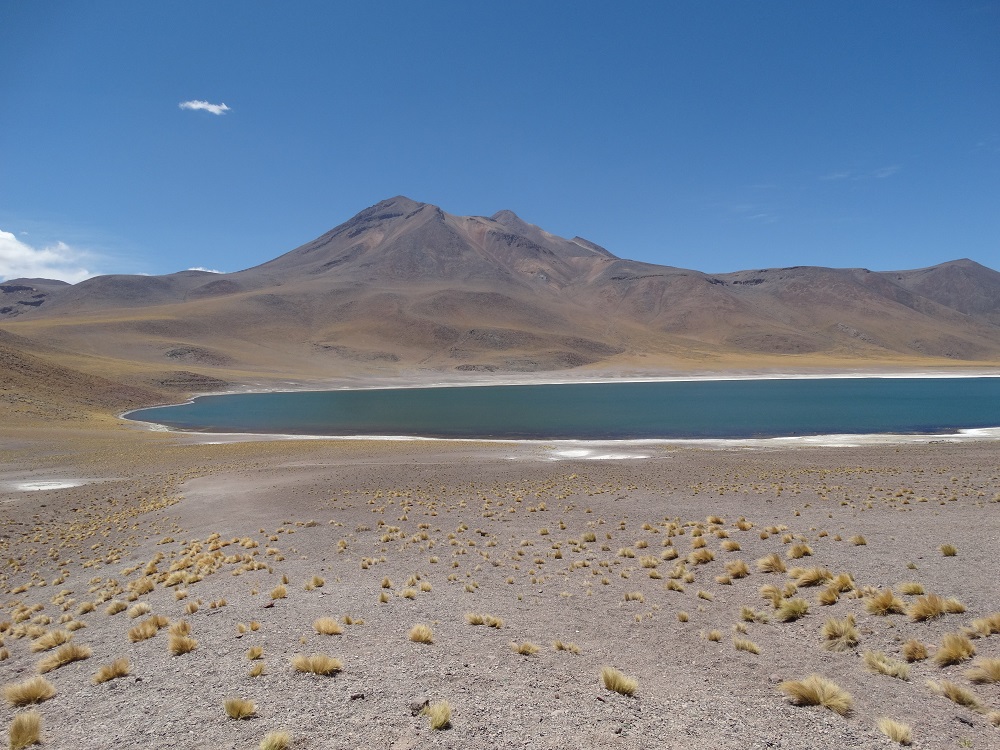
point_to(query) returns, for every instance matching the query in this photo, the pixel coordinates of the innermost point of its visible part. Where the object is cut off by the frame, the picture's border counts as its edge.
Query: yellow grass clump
(885, 603)
(254, 653)
(439, 714)
(798, 551)
(948, 550)
(524, 649)
(896, 731)
(792, 609)
(65, 654)
(279, 592)
(115, 607)
(954, 648)
(618, 682)
(818, 691)
(566, 646)
(276, 741)
(742, 644)
(956, 694)
(879, 663)
(421, 633)
(50, 640)
(239, 708)
(984, 671)
(914, 650)
(118, 668)
(910, 588)
(181, 644)
(327, 626)
(320, 664)
(771, 564)
(840, 635)
(25, 730)
(32, 690)
(737, 569)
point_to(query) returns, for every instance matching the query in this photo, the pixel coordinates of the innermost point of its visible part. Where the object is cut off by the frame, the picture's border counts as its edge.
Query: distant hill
(404, 287)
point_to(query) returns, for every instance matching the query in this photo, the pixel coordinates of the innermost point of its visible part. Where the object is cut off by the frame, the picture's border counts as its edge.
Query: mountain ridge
(403, 285)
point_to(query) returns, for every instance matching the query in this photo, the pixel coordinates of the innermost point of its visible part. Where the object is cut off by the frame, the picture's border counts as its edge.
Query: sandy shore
(556, 545)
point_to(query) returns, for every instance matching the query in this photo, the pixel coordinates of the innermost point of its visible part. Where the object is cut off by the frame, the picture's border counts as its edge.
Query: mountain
(404, 287)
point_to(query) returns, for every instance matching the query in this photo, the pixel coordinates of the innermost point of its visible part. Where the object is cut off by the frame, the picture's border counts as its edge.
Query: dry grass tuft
(238, 708)
(792, 609)
(618, 682)
(566, 646)
(771, 564)
(115, 607)
(799, 550)
(910, 588)
(420, 633)
(524, 649)
(320, 664)
(896, 731)
(879, 663)
(257, 669)
(987, 626)
(984, 671)
(737, 569)
(118, 668)
(26, 730)
(32, 690)
(948, 550)
(181, 644)
(143, 631)
(914, 650)
(327, 626)
(439, 714)
(50, 640)
(818, 691)
(956, 694)
(65, 654)
(276, 741)
(279, 592)
(140, 609)
(742, 644)
(813, 577)
(885, 603)
(840, 635)
(954, 648)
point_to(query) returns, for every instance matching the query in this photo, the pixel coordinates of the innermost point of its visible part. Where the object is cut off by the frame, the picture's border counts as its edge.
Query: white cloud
(215, 109)
(884, 172)
(60, 261)
(207, 270)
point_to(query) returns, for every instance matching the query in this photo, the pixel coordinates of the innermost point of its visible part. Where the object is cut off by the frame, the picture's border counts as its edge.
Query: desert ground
(497, 548)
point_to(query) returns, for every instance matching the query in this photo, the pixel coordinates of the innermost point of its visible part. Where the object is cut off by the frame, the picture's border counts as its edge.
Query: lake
(607, 411)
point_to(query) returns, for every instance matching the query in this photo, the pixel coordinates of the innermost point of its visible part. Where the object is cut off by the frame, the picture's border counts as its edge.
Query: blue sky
(717, 136)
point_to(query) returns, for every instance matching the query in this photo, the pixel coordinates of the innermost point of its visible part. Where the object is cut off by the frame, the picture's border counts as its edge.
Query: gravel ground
(491, 529)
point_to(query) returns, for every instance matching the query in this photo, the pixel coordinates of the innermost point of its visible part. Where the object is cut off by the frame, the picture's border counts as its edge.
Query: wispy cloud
(215, 109)
(208, 270)
(881, 174)
(876, 174)
(60, 261)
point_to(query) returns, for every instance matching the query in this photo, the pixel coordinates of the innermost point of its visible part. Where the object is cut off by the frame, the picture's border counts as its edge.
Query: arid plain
(338, 593)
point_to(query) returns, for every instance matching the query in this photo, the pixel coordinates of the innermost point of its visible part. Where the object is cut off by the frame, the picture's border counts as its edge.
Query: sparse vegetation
(116, 669)
(32, 690)
(840, 635)
(420, 633)
(439, 714)
(239, 708)
(65, 654)
(25, 730)
(618, 682)
(815, 690)
(896, 731)
(878, 662)
(320, 664)
(984, 671)
(327, 626)
(954, 648)
(276, 741)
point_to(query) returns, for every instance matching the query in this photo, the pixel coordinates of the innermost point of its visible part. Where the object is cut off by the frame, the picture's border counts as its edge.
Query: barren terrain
(387, 535)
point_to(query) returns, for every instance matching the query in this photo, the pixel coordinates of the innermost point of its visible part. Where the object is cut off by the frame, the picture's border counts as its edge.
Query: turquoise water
(688, 409)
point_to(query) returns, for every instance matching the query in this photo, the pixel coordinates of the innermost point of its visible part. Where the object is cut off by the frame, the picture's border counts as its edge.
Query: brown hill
(405, 287)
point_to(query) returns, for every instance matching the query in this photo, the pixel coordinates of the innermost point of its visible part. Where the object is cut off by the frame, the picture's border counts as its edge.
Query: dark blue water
(701, 409)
